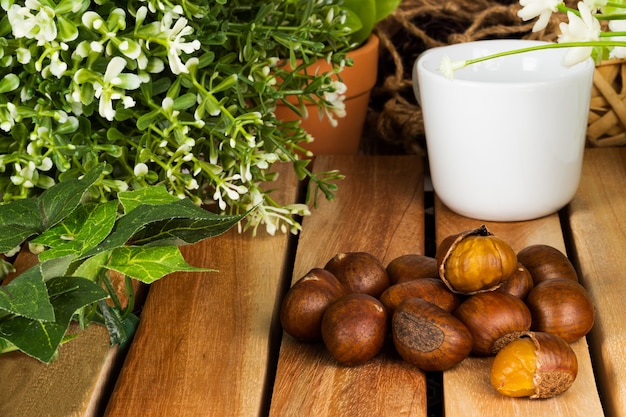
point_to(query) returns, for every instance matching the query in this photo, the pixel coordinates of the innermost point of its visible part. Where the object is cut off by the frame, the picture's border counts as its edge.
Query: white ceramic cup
(505, 137)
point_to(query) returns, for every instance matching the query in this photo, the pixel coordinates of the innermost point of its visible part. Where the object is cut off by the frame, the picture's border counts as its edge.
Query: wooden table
(211, 345)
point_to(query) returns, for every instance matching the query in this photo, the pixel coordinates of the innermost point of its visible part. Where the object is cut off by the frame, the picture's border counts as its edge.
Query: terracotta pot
(360, 78)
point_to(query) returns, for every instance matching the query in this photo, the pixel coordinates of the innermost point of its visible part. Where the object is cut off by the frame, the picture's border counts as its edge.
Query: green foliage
(179, 94)
(365, 14)
(137, 235)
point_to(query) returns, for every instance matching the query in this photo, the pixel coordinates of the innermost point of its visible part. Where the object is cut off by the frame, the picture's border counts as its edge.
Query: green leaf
(91, 267)
(145, 215)
(42, 339)
(27, 296)
(59, 201)
(146, 195)
(385, 7)
(184, 231)
(8, 83)
(365, 11)
(19, 220)
(82, 231)
(145, 120)
(185, 101)
(149, 263)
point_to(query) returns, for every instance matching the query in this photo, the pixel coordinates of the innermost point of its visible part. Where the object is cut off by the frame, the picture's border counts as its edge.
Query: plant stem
(545, 46)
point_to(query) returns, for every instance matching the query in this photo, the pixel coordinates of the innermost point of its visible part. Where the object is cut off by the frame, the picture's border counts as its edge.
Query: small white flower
(23, 55)
(447, 67)
(140, 170)
(109, 91)
(176, 42)
(538, 8)
(581, 28)
(335, 106)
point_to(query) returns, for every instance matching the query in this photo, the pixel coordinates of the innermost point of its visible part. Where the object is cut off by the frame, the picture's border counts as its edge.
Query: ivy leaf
(149, 263)
(41, 339)
(142, 217)
(148, 195)
(183, 231)
(21, 219)
(83, 230)
(27, 296)
(59, 201)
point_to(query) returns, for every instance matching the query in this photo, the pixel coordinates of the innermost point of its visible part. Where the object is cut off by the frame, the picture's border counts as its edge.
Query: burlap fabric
(395, 119)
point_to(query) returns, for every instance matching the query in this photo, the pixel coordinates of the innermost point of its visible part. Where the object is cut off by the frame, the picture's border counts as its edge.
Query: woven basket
(607, 113)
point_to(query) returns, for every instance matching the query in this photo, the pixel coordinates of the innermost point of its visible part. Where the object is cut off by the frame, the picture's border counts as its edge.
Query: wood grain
(378, 209)
(68, 387)
(203, 344)
(72, 385)
(467, 390)
(596, 217)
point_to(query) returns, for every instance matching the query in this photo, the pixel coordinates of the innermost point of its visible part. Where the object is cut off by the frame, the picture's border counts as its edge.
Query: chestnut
(428, 336)
(430, 289)
(412, 266)
(354, 328)
(536, 365)
(494, 319)
(305, 302)
(519, 283)
(546, 262)
(359, 272)
(475, 260)
(561, 306)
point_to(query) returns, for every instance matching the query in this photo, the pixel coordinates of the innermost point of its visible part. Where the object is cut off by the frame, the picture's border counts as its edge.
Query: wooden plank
(467, 390)
(72, 385)
(379, 209)
(203, 344)
(596, 217)
(69, 387)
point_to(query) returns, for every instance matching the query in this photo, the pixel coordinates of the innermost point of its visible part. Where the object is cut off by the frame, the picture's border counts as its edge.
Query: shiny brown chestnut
(561, 306)
(519, 283)
(412, 266)
(305, 302)
(359, 272)
(494, 319)
(354, 328)
(432, 290)
(428, 336)
(546, 262)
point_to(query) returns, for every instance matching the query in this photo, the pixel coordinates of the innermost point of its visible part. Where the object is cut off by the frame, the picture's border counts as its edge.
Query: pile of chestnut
(475, 297)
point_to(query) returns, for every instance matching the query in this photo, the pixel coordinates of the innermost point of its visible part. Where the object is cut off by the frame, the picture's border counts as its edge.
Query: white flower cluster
(146, 87)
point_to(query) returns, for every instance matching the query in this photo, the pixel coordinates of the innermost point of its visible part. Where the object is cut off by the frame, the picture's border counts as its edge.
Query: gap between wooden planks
(466, 389)
(379, 209)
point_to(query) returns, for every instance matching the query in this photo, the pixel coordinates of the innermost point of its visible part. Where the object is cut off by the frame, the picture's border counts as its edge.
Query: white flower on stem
(583, 28)
(618, 26)
(335, 106)
(33, 21)
(176, 43)
(113, 85)
(447, 66)
(538, 8)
